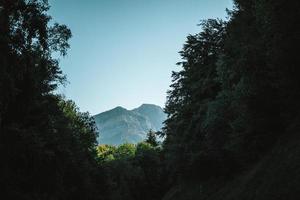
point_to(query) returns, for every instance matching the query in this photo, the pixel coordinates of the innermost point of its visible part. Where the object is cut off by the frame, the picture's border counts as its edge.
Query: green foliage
(192, 91)
(133, 171)
(106, 152)
(122, 152)
(125, 151)
(47, 146)
(81, 124)
(151, 138)
(237, 90)
(143, 147)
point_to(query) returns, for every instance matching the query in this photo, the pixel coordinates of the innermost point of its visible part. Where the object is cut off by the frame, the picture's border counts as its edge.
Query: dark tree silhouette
(238, 92)
(46, 145)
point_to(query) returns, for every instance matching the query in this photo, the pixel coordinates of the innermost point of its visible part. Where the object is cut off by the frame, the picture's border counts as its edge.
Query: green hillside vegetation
(132, 171)
(232, 130)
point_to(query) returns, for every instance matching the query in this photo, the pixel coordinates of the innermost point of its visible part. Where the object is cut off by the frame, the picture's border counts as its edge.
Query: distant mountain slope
(120, 125)
(154, 113)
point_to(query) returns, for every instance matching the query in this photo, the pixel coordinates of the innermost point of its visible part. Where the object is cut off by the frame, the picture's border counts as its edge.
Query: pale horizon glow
(123, 51)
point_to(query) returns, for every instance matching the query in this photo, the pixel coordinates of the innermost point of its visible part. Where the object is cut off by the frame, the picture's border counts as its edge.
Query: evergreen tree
(192, 90)
(151, 138)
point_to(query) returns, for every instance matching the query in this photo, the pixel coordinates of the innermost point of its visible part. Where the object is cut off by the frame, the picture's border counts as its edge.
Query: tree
(192, 89)
(151, 138)
(229, 103)
(47, 146)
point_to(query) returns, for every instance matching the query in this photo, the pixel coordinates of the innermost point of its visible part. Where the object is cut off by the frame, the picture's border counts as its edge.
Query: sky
(123, 51)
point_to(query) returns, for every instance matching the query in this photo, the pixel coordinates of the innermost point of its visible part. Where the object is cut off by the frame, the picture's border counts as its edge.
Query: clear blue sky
(123, 51)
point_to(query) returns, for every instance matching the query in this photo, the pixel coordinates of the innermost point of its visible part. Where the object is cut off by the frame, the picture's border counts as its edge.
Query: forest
(233, 109)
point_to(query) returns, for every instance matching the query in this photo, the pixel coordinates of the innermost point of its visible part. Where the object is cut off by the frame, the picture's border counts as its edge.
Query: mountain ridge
(120, 125)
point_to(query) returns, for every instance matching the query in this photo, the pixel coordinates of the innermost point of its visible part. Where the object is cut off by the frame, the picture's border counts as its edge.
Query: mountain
(120, 125)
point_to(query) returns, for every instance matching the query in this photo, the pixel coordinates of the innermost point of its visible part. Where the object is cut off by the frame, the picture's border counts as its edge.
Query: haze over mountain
(120, 125)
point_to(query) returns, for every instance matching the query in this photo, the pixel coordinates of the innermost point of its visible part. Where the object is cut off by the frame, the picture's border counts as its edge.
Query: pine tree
(151, 138)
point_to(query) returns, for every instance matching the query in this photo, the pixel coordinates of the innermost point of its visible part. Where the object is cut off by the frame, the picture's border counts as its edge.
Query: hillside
(120, 125)
(276, 176)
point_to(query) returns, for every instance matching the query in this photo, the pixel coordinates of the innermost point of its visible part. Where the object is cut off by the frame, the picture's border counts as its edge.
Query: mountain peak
(148, 105)
(118, 108)
(120, 125)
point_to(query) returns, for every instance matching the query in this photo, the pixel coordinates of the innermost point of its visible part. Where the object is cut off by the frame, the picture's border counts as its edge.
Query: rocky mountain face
(120, 125)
